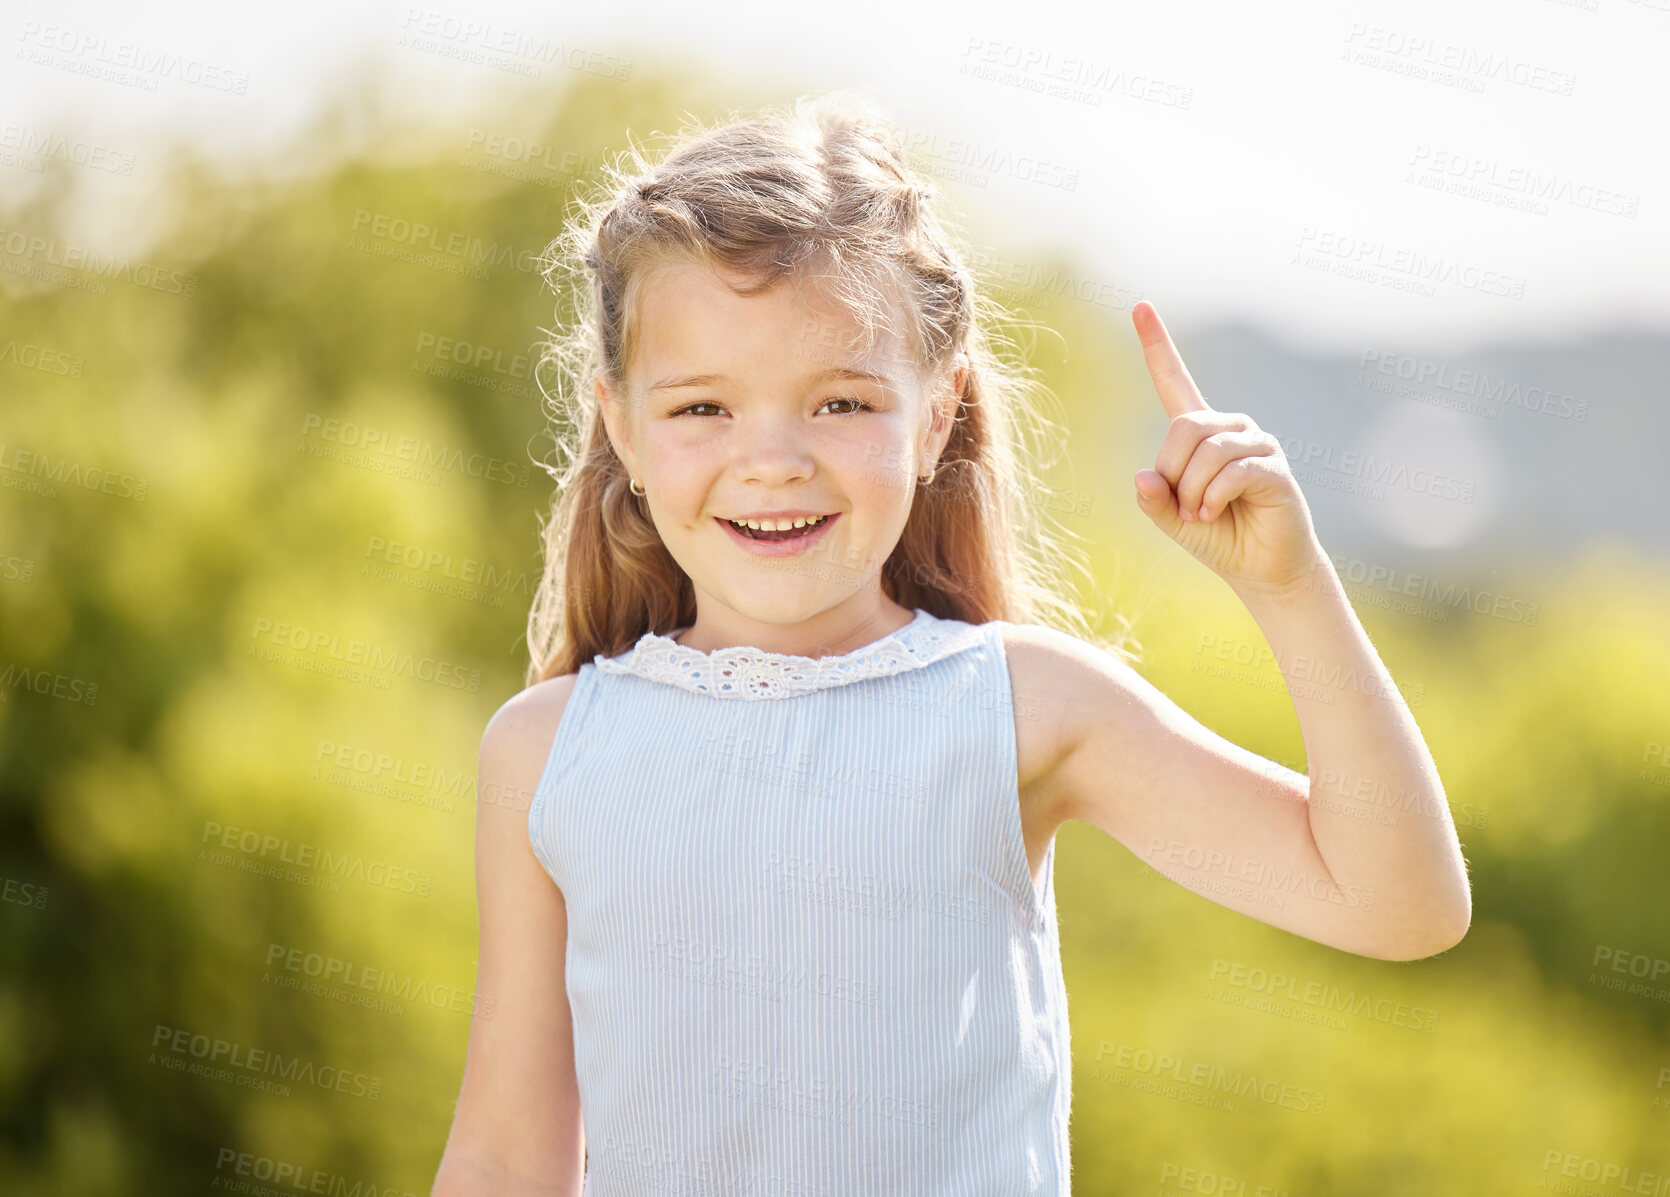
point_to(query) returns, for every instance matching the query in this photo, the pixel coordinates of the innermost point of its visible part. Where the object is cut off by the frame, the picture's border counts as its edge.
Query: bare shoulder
(530, 707)
(1042, 660)
(518, 737)
(1060, 684)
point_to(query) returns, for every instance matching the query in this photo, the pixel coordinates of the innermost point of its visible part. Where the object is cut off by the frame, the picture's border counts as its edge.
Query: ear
(609, 403)
(947, 399)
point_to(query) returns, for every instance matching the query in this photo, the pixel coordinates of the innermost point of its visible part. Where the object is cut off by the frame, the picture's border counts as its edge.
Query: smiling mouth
(786, 534)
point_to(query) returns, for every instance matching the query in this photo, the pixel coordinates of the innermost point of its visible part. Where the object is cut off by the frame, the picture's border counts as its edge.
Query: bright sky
(1416, 172)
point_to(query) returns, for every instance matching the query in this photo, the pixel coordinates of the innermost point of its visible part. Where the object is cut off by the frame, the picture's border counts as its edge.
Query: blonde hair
(821, 190)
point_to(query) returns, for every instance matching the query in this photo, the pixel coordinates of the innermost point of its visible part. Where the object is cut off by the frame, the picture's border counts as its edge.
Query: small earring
(930, 477)
(635, 487)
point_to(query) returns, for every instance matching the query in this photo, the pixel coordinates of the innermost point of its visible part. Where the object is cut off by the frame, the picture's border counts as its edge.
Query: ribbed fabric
(805, 954)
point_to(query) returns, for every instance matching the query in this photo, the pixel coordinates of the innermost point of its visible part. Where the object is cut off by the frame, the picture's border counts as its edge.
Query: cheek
(877, 457)
(884, 478)
(680, 461)
(682, 481)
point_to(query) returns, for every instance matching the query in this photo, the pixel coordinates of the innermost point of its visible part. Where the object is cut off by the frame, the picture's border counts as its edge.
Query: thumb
(1156, 500)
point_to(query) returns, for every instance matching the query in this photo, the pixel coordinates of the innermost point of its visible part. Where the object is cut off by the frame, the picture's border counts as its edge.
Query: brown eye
(861, 405)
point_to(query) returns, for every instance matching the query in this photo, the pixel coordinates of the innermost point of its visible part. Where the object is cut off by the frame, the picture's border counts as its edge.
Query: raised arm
(517, 1131)
(1221, 820)
(1313, 855)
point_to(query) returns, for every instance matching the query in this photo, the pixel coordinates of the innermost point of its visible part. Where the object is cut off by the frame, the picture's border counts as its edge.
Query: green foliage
(233, 406)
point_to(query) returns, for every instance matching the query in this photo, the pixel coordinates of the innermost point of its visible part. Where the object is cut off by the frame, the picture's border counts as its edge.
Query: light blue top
(805, 952)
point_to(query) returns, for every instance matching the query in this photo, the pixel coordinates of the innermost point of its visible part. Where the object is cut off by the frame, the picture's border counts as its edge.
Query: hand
(1237, 507)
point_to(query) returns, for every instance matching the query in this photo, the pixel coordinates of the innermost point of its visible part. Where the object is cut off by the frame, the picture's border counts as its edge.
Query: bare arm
(1241, 830)
(1375, 806)
(517, 1130)
(1225, 822)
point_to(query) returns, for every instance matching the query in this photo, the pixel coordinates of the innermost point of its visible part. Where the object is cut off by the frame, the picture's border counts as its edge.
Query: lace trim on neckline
(753, 673)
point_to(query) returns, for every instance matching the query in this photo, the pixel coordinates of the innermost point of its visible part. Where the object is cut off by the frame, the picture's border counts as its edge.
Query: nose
(772, 453)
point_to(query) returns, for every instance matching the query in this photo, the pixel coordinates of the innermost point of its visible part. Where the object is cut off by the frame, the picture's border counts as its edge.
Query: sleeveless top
(805, 951)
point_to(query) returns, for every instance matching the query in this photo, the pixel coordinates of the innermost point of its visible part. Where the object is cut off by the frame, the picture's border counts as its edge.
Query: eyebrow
(841, 373)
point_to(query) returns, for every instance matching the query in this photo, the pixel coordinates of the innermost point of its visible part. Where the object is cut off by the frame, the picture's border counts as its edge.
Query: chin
(793, 604)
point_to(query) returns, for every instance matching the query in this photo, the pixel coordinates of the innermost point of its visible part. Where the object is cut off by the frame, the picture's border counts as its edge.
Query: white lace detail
(753, 673)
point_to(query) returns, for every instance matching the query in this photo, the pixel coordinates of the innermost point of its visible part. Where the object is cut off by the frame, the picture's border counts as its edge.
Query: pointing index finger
(1176, 388)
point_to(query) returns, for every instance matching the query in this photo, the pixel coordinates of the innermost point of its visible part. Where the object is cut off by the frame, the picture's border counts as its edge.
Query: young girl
(797, 738)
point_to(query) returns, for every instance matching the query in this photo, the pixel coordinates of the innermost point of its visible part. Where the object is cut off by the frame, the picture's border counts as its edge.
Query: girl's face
(764, 406)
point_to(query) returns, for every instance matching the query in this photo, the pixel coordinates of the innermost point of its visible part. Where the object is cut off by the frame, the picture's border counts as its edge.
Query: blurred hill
(1568, 437)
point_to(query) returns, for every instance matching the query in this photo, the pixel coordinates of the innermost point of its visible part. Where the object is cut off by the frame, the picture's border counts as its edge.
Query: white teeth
(778, 525)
